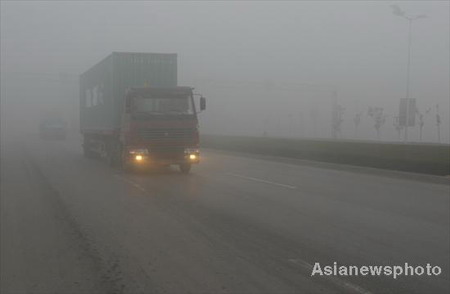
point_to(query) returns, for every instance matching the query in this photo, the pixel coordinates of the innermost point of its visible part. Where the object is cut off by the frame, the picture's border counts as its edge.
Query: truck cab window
(169, 106)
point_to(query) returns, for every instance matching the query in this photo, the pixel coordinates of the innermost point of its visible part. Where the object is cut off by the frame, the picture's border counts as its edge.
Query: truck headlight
(139, 157)
(192, 153)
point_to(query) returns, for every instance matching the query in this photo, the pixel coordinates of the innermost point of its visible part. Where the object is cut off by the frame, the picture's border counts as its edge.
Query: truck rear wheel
(185, 168)
(122, 162)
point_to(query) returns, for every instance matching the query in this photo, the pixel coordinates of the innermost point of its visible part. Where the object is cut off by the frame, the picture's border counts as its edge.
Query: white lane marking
(136, 185)
(350, 287)
(301, 263)
(262, 181)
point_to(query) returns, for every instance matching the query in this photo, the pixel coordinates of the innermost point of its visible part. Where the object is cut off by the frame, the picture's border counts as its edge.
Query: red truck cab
(159, 127)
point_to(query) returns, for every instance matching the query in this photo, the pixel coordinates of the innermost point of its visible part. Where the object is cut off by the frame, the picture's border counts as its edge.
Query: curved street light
(399, 12)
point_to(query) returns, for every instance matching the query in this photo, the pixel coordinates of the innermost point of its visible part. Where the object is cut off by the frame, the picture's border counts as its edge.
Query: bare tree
(420, 116)
(379, 118)
(338, 112)
(398, 127)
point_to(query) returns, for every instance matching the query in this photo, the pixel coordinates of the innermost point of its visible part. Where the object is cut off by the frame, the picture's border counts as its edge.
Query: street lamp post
(397, 11)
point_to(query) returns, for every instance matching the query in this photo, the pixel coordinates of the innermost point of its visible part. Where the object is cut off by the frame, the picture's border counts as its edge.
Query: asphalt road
(236, 224)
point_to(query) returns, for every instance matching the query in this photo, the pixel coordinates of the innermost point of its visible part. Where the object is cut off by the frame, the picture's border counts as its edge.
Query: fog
(266, 68)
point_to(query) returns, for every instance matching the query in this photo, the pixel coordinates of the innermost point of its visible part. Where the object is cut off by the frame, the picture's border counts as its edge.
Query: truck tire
(185, 168)
(121, 161)
(113, 155)
(87, 151)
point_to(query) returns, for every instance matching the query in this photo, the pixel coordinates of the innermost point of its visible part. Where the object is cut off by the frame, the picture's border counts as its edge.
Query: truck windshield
(181, 105)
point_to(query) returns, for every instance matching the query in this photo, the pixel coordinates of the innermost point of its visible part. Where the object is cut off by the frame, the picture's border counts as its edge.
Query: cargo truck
(132, 113)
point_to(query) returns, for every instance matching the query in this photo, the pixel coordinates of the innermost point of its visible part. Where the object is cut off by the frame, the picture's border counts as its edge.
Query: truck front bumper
(156, 159)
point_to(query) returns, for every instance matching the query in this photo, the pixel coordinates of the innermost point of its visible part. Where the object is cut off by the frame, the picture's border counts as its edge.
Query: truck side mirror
(202, 103)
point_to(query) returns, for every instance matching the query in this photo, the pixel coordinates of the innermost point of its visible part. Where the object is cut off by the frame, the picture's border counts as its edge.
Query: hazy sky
(251, 59)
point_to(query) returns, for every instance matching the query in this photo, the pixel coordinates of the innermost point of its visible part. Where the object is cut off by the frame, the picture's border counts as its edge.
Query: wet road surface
(236, 224)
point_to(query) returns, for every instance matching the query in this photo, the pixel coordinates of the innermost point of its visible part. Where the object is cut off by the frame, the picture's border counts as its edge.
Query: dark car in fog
(54, 128)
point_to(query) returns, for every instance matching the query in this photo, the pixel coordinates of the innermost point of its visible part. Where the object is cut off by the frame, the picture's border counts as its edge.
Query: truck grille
(167, 149)
(163, 134)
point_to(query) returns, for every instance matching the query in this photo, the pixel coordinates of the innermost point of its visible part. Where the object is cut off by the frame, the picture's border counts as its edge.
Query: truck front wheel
(185, 168)
(122, 161)
(113, 154)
